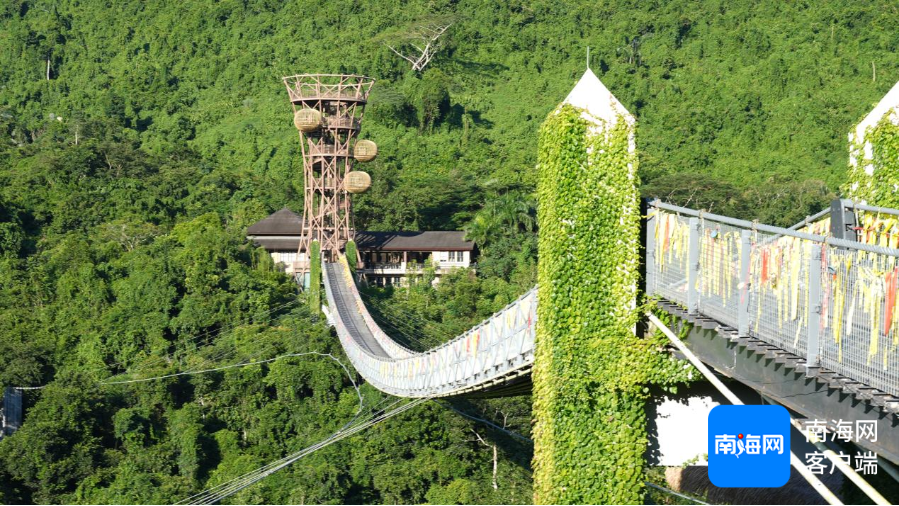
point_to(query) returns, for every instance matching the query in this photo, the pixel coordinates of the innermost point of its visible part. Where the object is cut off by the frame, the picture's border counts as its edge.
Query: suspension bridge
(794, 302)
(808, 316)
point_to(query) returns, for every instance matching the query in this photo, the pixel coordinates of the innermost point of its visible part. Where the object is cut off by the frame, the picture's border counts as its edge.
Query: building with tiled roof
(387, 258)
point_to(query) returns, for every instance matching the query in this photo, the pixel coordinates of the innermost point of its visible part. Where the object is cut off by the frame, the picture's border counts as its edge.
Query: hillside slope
(140, 138)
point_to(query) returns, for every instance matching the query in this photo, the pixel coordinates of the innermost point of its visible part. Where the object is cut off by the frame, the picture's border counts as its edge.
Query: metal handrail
(831, 241)
(873, 209)
(811, 219)
(805, 307)
(502, 346)
(498, 346)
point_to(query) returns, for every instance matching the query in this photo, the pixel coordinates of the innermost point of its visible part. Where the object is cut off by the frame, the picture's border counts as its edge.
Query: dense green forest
(140, 138)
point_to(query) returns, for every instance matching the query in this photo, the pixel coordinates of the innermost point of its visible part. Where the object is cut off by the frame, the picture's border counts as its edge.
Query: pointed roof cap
(590, 94)
(283, 222)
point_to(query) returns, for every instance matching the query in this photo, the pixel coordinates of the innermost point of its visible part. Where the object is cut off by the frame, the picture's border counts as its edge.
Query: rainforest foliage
(140, 138)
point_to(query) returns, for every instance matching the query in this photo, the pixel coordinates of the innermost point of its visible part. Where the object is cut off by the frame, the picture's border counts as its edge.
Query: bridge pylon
(588, 380)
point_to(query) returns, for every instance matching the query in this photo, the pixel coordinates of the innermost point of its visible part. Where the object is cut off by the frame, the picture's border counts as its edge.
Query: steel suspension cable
(230, 488)
(391, 315)
(813, 480)
(529, 440)
(248, 478)
(209, 334)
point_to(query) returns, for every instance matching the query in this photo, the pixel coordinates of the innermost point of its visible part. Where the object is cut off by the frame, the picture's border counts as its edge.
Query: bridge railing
(830, 301)
(393, 348)
(496, 348)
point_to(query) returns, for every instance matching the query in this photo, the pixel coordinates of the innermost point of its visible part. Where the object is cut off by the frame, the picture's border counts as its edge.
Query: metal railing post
(649, 263)
(693, 268)
(743, 308)
(842, 220)
(812, 351)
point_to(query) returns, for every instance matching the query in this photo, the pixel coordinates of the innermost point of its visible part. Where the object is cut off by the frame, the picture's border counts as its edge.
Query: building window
(284, 257)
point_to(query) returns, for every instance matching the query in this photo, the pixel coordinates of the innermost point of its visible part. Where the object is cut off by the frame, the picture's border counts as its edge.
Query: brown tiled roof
(287, 223)
(277, 243)
(413, 241)
(385, 241)
(283, 222)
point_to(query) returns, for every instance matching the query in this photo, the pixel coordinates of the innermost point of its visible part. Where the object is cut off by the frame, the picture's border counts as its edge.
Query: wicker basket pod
(307, 120)
(365, 150)
(357, 181)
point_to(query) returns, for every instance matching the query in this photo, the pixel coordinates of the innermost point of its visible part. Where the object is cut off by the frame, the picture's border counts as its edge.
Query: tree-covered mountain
(140, 138)
(744, 93)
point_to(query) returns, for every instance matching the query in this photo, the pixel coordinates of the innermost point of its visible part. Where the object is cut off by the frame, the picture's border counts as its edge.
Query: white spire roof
(888, 105)
(889, 102)
(590, 94)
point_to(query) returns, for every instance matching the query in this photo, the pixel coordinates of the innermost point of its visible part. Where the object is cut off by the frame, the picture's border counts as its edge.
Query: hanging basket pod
(365, 150)
(357, 181)
(307, 120)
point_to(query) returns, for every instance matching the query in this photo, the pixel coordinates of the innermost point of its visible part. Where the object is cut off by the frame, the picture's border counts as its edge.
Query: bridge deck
(352, 320)
(814, 316)
(782, 377)
(493, 358)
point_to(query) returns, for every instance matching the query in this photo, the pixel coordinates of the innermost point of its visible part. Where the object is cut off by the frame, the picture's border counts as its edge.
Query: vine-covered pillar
(315, 278)
(352, 255)
(874, 155)
(590, 370)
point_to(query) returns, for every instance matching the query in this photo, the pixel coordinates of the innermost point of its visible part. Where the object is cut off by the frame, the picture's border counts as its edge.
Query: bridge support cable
(232, 366)
(488, 423)
(889, 468)
(813, 480)
(672, 492)
(526, 439)
(233, 486)
(395, 321)
(205, 336)
(222, 368)
(216, 494)
(531, 441)
(402, 321)
(840, 464)
(209, 334)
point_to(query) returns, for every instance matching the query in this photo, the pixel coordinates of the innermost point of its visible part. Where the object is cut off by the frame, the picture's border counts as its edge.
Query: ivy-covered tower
(874, 155)
(589, 373)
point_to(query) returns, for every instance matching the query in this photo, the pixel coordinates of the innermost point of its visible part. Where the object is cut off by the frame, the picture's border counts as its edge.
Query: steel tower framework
(327, 156)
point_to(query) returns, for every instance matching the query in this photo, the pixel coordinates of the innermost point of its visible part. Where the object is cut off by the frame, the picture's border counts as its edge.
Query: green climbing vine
(591, 372)
(881, 188)
(315, 277)
(351, 256)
